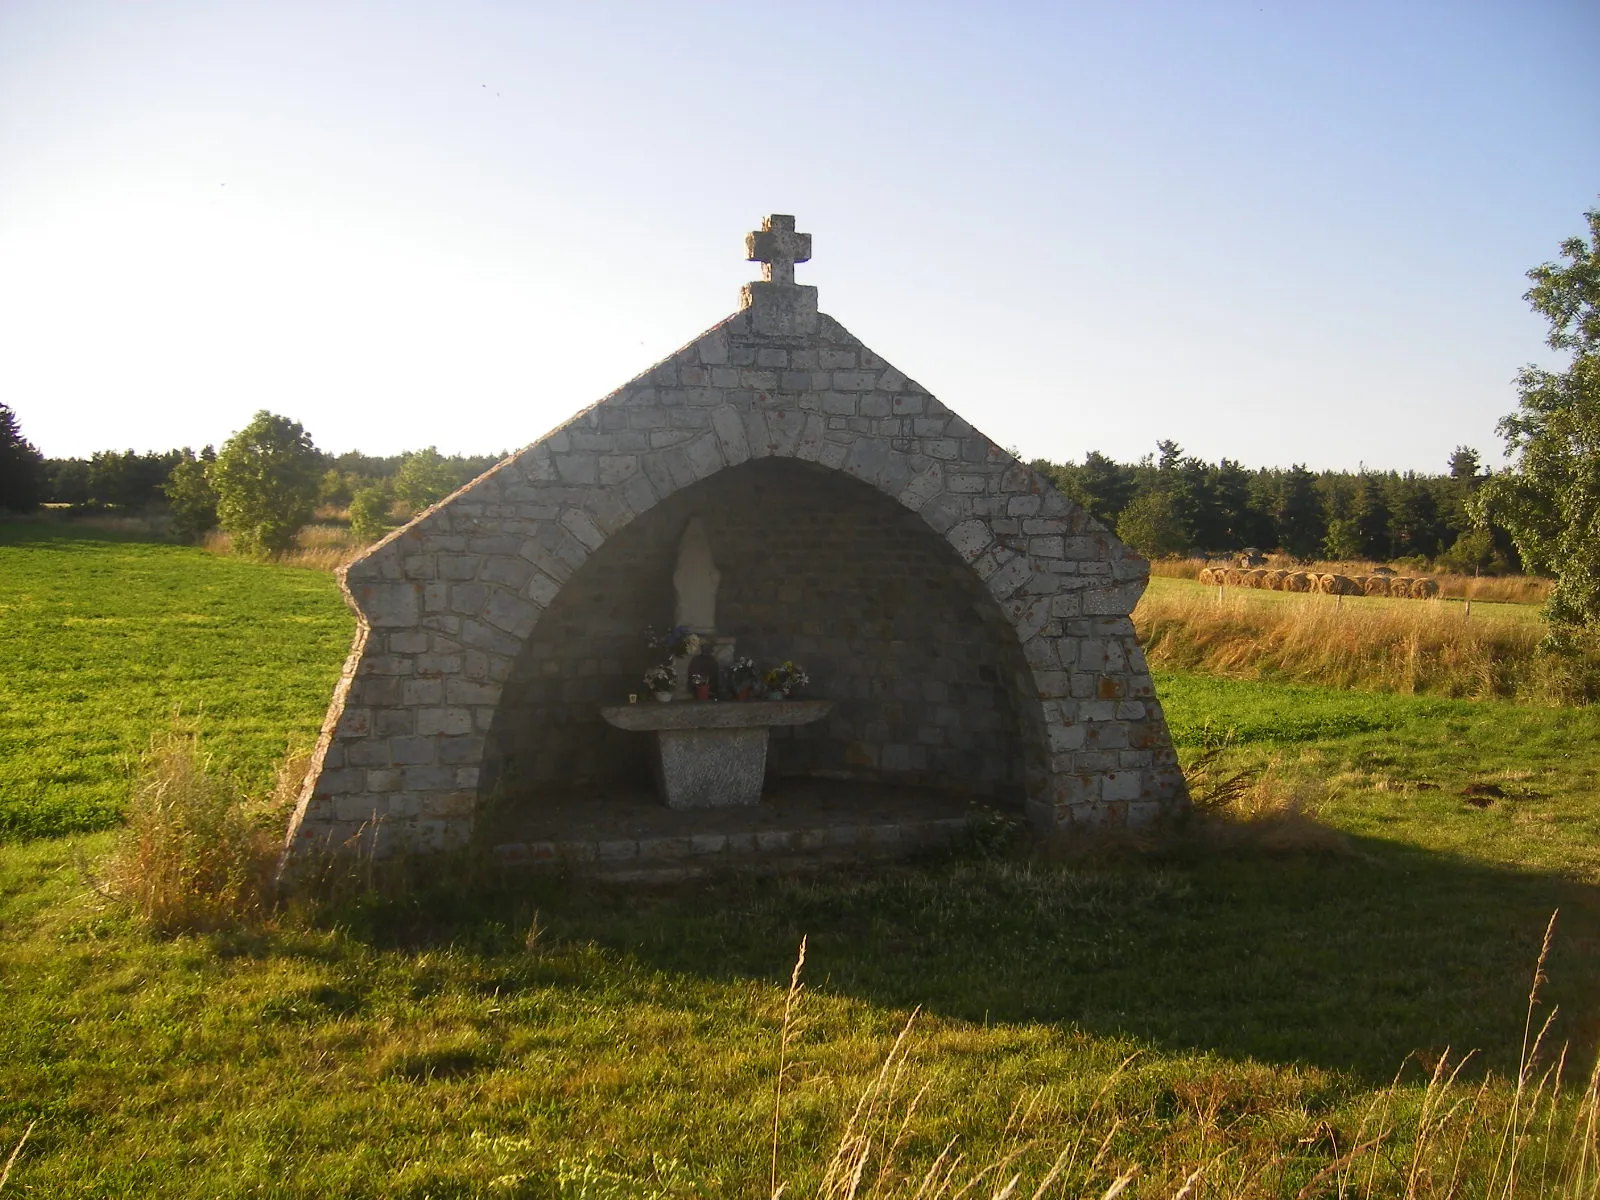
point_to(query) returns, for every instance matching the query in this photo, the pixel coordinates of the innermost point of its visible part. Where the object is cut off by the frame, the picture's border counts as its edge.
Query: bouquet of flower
(743, 677)
(677, 642)
(661, 677)
(786, 678)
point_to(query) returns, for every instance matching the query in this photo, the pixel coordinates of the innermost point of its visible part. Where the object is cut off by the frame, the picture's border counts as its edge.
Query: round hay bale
(1383, 570)
(1207, 575)
(1297, 581)
(1256, 578)
(1340, 585)
(1424, 589)
(1274, 580)
(1400, 585)
(1235, 577)
(1376, 585)
(1321, 583)
(1361, 584)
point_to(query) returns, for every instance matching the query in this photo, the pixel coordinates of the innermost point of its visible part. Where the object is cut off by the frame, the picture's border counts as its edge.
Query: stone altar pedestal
(712, 755)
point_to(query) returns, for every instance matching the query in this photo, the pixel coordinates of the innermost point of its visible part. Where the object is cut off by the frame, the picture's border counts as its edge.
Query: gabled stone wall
(447, 604)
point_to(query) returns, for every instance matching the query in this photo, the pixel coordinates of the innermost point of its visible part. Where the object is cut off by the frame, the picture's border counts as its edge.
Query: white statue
(695, 580)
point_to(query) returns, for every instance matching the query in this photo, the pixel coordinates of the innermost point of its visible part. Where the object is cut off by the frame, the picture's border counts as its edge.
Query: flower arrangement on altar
(677, 642)
(743, 678)
(660, 678)
(784, 680)
(685, 650)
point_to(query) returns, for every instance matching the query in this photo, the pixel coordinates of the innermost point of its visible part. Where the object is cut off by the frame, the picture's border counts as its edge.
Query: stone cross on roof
(778, 247)
(779, 307)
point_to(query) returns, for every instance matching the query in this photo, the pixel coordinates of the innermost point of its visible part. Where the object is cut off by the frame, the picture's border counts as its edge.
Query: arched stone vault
(445, 605)
(924, 669)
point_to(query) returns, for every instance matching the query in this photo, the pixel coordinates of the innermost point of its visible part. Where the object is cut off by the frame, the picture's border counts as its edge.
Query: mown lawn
(104, 641)
(546, 1038)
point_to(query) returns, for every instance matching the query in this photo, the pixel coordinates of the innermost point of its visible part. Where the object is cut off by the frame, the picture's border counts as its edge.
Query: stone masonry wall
(447, 604)
(886, 618)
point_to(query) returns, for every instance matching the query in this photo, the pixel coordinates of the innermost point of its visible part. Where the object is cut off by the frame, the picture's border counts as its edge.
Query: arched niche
(931, 683)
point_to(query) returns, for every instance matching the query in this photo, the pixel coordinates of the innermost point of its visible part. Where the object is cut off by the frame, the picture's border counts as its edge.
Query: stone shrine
(778, 483)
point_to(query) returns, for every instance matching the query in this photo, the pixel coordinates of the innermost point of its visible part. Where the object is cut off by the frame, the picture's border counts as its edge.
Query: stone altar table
(710, 754)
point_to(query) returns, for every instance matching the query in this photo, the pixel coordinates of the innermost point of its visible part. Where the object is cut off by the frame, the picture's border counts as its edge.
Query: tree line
(263, 486)
(1170, 503)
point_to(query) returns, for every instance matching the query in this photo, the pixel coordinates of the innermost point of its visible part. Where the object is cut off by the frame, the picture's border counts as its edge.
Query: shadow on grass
(1346, 961)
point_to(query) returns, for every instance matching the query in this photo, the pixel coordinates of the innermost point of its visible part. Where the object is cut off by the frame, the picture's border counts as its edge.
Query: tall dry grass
(1419, 647)
(1507, 589)
(871, 1160)
(324, 546)
(197, 853)
(140, 525)
(1454, 1138)
(316, 547)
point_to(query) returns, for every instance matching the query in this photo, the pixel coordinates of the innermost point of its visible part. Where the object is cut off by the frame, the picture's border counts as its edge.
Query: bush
(1343, 542)
(197, 854)
(1151, 525)
(369, 512)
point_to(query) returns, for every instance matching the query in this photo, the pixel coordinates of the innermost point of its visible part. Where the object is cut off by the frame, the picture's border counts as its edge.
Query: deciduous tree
(1550, 500)
(1152, 526)
(424, 478)
(190, 496)
(266, 483)
(369, 511)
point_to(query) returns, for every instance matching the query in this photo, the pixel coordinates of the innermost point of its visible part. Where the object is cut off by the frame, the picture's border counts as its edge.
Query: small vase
(664, 697)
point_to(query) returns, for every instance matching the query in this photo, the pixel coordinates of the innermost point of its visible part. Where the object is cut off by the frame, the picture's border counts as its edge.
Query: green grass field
(106, 641)
(547, 1038)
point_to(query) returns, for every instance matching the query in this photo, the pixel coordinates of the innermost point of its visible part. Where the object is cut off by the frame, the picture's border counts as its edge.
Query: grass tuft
(1259, 807)
(197, 853)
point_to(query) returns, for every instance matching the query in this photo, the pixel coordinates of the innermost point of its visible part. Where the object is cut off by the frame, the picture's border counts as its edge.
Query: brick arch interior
(931, 683)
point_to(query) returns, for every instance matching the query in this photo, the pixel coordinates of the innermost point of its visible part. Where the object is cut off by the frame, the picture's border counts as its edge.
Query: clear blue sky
(1279, 232)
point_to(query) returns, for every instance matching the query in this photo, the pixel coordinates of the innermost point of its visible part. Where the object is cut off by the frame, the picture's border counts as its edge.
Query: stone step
(662, 859)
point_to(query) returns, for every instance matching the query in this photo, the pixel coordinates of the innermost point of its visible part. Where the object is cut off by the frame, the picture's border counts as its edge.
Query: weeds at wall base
(196, 853)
